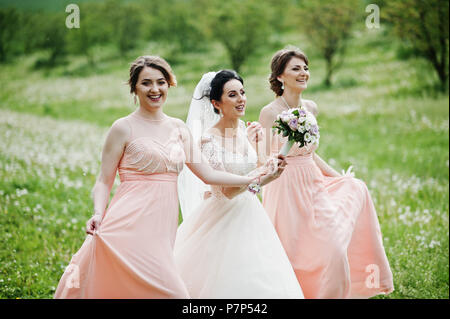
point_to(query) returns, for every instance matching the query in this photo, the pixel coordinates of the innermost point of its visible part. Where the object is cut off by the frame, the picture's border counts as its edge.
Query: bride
(226, 246)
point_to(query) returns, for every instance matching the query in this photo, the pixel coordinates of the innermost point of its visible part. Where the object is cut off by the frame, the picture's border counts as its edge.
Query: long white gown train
(228, 248)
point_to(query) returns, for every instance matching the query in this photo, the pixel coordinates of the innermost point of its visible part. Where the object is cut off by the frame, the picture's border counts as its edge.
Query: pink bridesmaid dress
(329, 229)
(131, 254)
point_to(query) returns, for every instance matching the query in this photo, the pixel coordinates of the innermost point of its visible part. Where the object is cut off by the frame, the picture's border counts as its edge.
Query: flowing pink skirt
(131, 255)
(330, 231)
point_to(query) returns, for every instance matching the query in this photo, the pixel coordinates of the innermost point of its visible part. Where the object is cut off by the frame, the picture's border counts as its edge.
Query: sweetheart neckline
(150, 138)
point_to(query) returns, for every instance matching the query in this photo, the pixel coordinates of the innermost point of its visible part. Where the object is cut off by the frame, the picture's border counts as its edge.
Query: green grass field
(383, 116)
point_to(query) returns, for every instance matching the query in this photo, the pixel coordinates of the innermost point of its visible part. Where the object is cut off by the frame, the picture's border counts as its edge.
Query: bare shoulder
(118, 135)
(269, 110)
(311, 106)
(177, 122)
(120, 128)
(268, 113)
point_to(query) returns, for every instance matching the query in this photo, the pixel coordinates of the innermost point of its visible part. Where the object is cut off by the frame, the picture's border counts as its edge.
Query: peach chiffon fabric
(329, 229)
(131, 254)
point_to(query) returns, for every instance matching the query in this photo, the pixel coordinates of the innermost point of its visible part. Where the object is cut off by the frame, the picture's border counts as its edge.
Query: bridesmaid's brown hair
(278, 64)
(155, 62)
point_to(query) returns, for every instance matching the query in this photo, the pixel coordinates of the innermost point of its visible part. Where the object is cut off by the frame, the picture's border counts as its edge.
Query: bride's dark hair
(218, 82)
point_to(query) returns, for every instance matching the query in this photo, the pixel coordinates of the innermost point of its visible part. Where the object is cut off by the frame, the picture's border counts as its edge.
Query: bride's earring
(282, 85)
(218, 109)
(135, 100)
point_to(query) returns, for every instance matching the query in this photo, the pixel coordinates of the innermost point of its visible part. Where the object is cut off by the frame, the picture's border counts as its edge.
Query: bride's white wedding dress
(228, 248)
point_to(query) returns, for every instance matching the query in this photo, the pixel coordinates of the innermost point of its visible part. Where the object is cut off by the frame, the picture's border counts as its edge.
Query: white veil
(200, 118)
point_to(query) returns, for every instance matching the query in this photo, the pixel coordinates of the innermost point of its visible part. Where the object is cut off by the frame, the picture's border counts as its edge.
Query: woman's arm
(311, 106)
(324, 167)
(266, 118)
(111, 155)
(210, 176)
(262, 174)
(255, 135)
(198, 164)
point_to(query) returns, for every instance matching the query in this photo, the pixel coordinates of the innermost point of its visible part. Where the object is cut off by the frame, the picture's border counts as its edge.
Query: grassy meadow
(383, 116)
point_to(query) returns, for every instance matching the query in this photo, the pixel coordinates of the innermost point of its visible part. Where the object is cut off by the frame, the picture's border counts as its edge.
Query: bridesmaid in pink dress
(326, 221)
(130, 251)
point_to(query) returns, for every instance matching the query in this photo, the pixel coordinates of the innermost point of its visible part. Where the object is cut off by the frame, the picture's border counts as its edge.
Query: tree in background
(94, 30)
(279, 17)
(32, 31)
(241, 26)
(100, 23)
(124, 23)
(328, 25)
(177, 24)
(424, 26)
(10, 43)
(23, 32)
(53, 38)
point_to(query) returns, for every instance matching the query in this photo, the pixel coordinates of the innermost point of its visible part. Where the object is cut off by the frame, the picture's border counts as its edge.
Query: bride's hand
(207, 194)
(275, 165)
(281, 164)
(255, 131)
(93, 223)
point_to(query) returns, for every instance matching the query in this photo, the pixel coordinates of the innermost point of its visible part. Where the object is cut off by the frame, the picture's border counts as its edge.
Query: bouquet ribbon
(287, 147)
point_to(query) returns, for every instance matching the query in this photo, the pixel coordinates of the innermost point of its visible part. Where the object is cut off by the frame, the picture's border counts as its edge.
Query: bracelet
(255, 188)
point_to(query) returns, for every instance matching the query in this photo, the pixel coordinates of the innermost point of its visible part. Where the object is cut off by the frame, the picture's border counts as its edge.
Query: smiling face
(295, 75)
(233, 100)
(151, 88)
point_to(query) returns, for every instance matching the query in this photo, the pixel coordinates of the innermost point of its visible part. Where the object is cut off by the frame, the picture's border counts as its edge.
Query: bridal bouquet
(298, 125)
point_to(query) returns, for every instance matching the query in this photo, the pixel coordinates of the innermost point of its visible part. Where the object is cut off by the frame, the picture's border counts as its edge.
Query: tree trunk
(329, 71)
(431, 52)
(443, 77)
(2, 53)
(236, 60)
(90, 58)
(443, 37)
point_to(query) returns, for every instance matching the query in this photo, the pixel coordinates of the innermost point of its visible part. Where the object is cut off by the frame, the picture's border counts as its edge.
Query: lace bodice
(145, 154)
(220, 155)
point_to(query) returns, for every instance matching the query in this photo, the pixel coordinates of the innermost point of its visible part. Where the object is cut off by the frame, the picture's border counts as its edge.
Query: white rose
(311, 119)
(307, 137)
(307, 126)
(301, 128)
